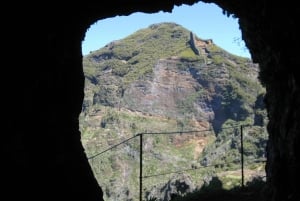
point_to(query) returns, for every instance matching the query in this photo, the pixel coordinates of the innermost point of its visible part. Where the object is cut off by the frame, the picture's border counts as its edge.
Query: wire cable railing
(142, 134)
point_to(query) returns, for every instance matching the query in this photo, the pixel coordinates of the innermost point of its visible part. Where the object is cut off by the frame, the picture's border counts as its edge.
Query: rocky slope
(160, 79)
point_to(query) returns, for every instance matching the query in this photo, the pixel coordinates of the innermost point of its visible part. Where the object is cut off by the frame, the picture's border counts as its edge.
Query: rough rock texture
(180, 186)
(42, 92)
(159, 96)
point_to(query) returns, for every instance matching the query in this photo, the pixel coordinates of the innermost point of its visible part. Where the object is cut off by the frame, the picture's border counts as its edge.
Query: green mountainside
(164, 79)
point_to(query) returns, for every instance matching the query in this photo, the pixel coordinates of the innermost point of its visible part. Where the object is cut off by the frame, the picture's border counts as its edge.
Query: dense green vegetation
(135, 55)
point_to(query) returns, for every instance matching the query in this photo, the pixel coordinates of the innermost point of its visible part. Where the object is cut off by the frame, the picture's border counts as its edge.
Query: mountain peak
(160, 24)
(152, 65)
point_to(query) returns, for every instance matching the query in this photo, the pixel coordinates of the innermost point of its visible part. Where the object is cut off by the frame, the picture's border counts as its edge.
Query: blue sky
(206, 20)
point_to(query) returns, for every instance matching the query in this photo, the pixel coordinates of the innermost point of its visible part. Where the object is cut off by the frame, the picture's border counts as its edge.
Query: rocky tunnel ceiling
(43, 158)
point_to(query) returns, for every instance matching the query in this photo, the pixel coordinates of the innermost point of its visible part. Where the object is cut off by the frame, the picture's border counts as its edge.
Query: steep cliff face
(164, 94)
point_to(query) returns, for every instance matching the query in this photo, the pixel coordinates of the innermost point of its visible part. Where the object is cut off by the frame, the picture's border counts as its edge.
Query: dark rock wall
(272, 41)
(42, 91)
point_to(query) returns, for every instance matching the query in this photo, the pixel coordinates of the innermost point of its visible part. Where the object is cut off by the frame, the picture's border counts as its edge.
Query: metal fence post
(242, 156)
(141, 167)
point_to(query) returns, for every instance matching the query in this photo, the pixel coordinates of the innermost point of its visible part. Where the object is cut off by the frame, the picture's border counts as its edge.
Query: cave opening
(123, 106)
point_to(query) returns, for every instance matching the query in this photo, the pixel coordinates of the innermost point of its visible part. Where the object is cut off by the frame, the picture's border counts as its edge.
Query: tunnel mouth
(120, 153)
